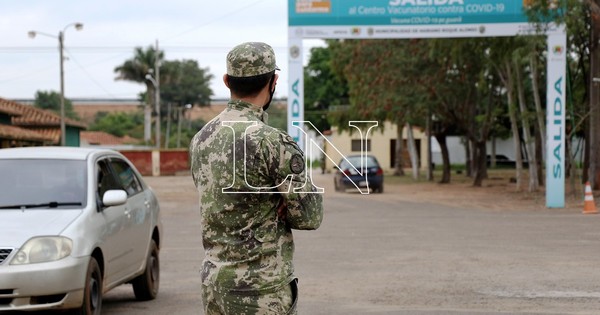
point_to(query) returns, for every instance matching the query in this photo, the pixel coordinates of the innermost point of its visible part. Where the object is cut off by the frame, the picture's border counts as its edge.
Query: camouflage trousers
(281, 302)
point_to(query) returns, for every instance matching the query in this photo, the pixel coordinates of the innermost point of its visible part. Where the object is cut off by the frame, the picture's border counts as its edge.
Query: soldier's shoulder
(272, 134)
(280, 138)
(205, 132)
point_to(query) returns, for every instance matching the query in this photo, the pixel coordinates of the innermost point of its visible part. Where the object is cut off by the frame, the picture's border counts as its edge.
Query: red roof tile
(16, 133)
(52, 133)
(100, 138)
(31, 116)
(10, 112)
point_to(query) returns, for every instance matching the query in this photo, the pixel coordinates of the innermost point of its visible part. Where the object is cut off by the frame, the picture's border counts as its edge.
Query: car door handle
(147, 204)
(128, 213)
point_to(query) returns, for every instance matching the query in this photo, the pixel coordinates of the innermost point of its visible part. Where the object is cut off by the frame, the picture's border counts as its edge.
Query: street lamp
(156, 107)
(61, 38)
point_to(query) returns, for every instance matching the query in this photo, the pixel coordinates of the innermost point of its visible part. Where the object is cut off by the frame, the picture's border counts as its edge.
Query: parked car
(348, 174)
(503, 161)
(76, 223)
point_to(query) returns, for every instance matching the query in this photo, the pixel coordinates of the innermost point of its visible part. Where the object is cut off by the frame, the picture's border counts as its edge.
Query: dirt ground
(498, 192)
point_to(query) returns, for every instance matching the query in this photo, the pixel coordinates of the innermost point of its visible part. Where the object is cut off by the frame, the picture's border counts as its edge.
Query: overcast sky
(186, 29)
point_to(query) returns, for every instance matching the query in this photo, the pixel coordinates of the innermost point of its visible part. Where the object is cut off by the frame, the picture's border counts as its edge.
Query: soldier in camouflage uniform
(254, 190)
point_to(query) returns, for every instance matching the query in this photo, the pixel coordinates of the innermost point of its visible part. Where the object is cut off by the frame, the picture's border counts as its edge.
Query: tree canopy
(323, 88)
(50, 100)
(182, 82)
(477, 88)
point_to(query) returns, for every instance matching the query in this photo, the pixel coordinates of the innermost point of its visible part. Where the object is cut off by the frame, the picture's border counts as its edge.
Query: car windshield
(42, 183)
(356, 161)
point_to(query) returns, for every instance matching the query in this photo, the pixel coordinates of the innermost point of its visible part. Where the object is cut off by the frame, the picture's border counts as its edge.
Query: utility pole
(157, 94)
(63, 128)
(179, 126)
(61, 39)
(168, 132)
(147, 122)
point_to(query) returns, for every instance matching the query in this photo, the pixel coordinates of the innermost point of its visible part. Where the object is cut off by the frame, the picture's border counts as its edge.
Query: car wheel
(92, 293)
(145, 286)
(338, 186)
(379, 190)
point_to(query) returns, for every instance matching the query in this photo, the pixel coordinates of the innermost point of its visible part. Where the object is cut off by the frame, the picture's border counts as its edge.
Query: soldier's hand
(282, 210)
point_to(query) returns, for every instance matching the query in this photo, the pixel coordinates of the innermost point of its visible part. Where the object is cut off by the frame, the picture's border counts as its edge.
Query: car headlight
(43, 249)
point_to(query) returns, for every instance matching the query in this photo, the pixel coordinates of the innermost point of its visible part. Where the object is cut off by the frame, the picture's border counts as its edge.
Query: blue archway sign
(401, 12)
(344, 19)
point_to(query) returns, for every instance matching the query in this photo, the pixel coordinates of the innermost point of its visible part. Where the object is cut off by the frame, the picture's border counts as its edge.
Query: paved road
(380, 254)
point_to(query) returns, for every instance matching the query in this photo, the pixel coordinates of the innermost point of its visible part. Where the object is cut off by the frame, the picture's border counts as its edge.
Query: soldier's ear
(226, 80)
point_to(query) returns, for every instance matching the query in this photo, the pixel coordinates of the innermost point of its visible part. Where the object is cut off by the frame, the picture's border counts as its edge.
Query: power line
(123, 50)
(214, 20)
(96, 49)
(88, 74)
(27, 75)
(104, 49)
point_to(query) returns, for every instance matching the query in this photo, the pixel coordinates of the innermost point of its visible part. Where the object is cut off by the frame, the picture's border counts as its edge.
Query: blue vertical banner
(295, 112)
(555, 115)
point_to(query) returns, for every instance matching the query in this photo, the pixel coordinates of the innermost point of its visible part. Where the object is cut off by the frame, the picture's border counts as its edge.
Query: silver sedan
(75, 223)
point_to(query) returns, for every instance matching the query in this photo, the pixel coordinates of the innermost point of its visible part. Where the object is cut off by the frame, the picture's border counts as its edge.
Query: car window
(43, 181)
(126, 176)
(355, 160)
(105, 179)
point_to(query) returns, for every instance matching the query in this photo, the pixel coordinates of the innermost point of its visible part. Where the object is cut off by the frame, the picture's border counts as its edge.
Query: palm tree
(136, 70)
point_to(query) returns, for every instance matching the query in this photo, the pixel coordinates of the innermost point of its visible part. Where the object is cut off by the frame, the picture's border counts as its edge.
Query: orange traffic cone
(589, 206)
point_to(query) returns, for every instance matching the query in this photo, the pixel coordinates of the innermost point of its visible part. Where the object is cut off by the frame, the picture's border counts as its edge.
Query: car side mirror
(114, 198)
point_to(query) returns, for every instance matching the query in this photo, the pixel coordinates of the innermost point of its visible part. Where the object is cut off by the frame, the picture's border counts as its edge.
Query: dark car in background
(503, 161)
(348, 174)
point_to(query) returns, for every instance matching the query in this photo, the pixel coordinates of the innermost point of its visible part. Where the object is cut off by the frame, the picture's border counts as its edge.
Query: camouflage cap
(251, 59)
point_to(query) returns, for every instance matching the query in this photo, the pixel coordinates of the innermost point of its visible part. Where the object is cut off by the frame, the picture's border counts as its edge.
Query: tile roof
(31, 116)
(102, 138)
(16, 133)
(10, 112)
(52, 133)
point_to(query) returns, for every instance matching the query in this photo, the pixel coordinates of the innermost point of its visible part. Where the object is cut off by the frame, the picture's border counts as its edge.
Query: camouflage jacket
(244, 170)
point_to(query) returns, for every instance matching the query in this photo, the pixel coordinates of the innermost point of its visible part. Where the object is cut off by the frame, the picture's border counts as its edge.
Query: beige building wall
(381, 145)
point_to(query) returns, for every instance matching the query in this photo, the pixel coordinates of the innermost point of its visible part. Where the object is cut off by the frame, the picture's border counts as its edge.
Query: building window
(355, 145)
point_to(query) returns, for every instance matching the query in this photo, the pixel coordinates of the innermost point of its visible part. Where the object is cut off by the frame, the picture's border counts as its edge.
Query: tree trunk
(168, 135)
(469, 157)
(586, 151)
(429, 158)
(473, 166)
(493, 154)
(399, 170)
(539, 152)
(594, 140)
(147, 124)
(480, 165)
(541, 118)
(508, 81)
(412, 150)
(529, 143)
(151, 97)
(570, 166)
(441, 139)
